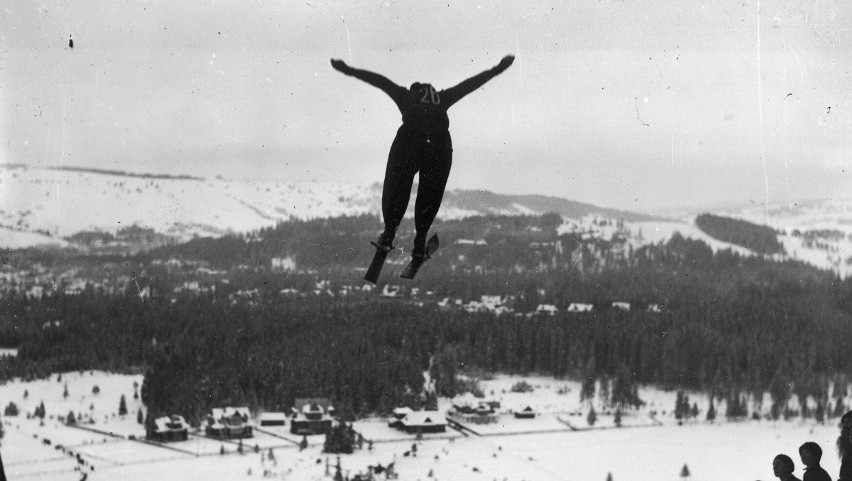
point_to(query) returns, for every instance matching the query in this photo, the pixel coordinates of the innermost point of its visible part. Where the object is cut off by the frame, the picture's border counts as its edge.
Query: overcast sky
(636, 104)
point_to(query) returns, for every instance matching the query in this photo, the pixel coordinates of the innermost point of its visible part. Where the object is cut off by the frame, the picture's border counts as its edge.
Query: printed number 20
(429, 95)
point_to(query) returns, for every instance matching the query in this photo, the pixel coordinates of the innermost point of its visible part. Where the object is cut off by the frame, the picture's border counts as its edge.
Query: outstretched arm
(454, 94)
(374, 79)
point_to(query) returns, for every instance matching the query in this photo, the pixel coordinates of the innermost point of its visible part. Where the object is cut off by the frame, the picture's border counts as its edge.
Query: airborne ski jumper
(422, 144)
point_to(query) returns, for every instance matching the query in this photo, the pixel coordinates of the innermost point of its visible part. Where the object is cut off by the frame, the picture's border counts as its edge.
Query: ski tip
(432, 244)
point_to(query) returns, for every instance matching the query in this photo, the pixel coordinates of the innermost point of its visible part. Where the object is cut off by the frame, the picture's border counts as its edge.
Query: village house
(580, 307)
(470, 242)
(229, 423)
(624, 306)
(391, 291)
(395, 419)
(655, 308)
(311, 416)
(169, 428)
(548, 309)
(283, 264)
(272, 419)
(526, 413)
(424, 422)
(35, 292)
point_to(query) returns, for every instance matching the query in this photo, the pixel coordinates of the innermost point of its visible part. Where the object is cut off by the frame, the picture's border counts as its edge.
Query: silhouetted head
(417, 86)
(810, 453)
(844, 441)
(782, 465)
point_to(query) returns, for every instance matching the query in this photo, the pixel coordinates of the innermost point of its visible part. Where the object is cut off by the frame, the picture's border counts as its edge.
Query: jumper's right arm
(379, 81)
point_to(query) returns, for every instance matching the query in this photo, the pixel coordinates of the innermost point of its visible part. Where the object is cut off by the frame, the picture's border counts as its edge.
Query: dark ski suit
(422, 144)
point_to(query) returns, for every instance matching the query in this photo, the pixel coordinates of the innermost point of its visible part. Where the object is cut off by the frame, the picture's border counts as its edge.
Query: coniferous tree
(70, 419)
(678, 410)
(139, 417)
(587, 389)
(684, 472)
(839, 407)
(340, 440)
(592, 417)
(819, 412)
(122, 406)
(11, 409)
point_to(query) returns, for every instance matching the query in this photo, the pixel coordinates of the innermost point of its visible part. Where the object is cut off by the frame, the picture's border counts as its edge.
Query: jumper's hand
(506, 62)
(339, 65)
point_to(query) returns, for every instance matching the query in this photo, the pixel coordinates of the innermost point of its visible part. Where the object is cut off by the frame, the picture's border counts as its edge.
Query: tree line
(759, 238)
(730, 325)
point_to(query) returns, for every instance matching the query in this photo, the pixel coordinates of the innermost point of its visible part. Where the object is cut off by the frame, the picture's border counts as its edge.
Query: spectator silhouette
(844, 447)
(783, 468)
(811, 453)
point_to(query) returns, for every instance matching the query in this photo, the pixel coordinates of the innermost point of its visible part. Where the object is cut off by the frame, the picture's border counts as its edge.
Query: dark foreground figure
(422, 145)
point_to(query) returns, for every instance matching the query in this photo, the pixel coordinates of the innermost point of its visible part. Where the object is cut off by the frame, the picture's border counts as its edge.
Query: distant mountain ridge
(486, 201)
(47, 206)
(58, 202)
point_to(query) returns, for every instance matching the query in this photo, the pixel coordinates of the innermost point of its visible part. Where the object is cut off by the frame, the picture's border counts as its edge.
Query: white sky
(639, 105)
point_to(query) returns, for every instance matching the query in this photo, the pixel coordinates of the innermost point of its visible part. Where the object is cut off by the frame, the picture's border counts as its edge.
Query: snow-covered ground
(828, 215)
(545, 448)
(61, 203)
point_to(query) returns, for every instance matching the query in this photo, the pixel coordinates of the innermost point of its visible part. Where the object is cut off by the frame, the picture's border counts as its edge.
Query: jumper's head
(417, 86)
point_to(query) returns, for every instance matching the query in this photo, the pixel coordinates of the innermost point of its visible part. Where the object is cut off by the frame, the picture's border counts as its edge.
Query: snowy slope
(57, 203)
(833, 252)
(42, 206)
(61, 203)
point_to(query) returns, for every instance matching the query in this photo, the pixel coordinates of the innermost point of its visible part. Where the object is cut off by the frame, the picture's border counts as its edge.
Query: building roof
(424, 418)
(275, 416)
(300, 403)
(170, 423)
(219, 413)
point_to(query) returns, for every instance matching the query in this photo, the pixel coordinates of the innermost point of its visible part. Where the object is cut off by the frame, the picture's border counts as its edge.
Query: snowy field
(557, 445)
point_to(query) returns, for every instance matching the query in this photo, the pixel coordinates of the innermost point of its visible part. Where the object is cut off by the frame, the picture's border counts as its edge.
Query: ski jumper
(422, 145)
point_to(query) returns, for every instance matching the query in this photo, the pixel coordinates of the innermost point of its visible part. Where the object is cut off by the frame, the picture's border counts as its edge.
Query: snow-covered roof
(229, 411)
(402, 411)
(275, 416)
(424, 418)
(170, 423)
(580, 307)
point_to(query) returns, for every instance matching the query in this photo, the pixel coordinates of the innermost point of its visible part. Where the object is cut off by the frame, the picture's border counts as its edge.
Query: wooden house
(311, 416)
(526, 413)
(169, 428)
(424, 422)
(395, 419)
(580, 307)
(272, 419)
(229, 423)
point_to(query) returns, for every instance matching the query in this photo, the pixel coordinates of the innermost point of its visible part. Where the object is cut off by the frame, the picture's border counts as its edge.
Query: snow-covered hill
(45, 206)
(816, 232)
